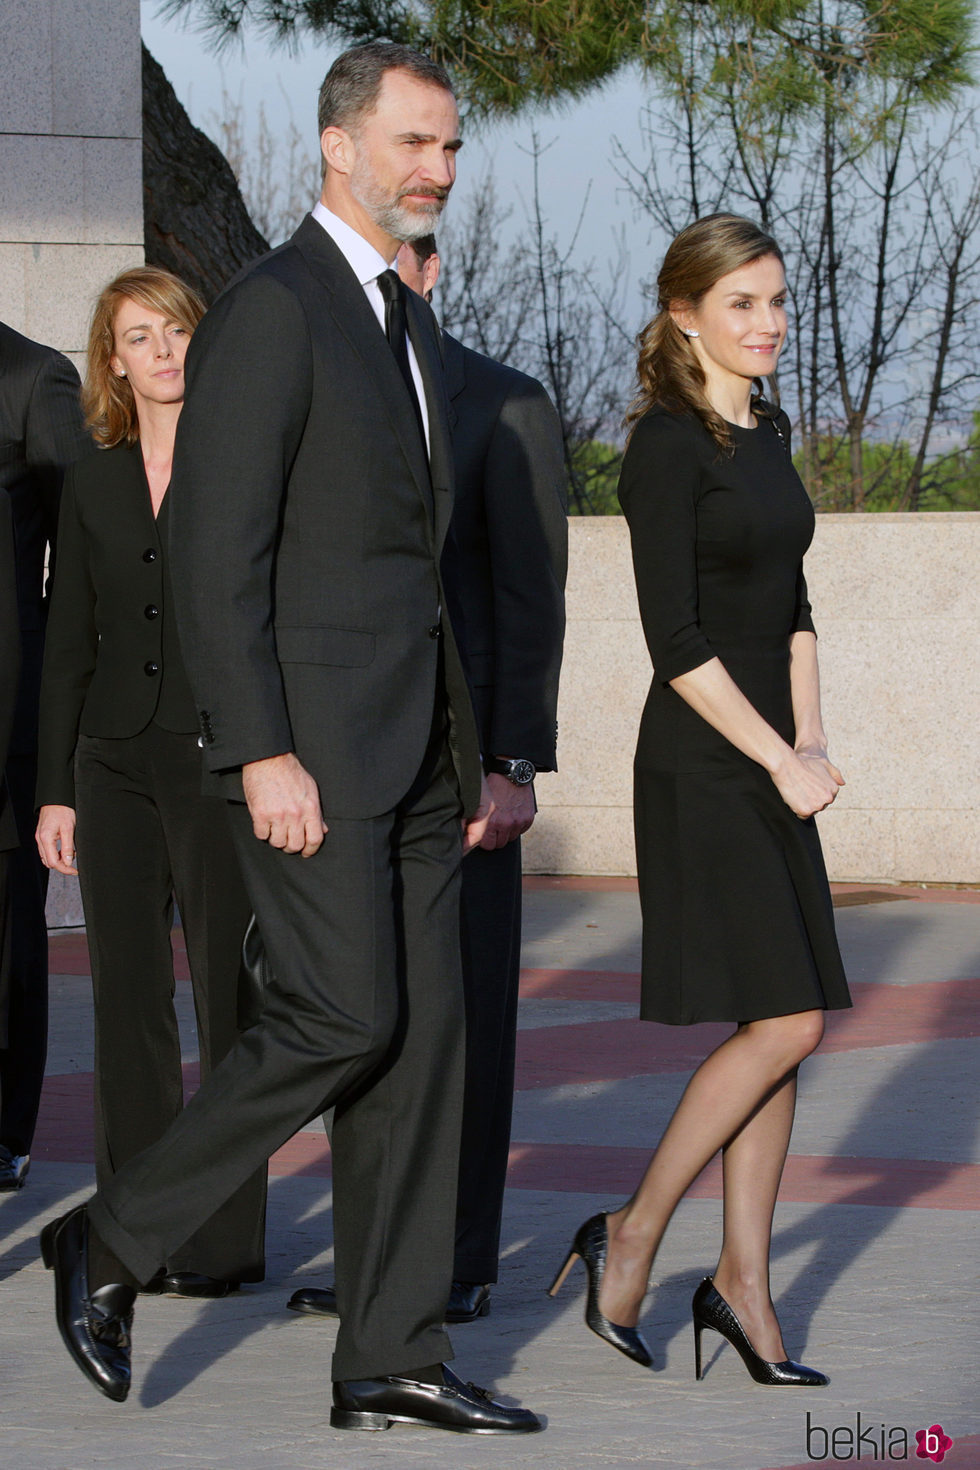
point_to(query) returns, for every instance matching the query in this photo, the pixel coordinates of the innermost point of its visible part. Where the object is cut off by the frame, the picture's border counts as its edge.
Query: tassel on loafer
(96, 1325)
(710, 1309)
(591, 1243)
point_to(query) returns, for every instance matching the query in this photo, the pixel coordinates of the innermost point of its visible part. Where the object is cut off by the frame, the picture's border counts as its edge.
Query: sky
(577, 162)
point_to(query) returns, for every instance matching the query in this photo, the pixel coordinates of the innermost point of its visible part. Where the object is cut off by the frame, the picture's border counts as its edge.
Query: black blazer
(40, 433)
(306, 534)
(9, 667)
(111, 662)
(507, 556)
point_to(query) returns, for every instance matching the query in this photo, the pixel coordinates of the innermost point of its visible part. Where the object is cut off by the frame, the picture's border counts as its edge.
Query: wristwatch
(519, 772)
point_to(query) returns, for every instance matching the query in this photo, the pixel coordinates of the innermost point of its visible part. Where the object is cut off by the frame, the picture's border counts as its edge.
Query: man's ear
(337, 149)
(430, 274)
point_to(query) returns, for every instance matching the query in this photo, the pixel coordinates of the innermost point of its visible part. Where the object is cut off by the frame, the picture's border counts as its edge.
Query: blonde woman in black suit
(120, 767)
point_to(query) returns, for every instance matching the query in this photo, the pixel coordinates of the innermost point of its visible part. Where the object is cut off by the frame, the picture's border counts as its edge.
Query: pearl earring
(121, 373)
(689, 332)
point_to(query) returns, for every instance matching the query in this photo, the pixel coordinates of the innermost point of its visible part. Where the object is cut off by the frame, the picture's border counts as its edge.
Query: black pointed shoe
(711, 1310)
(95, 1326)
(591, 1243)
(377, 1403)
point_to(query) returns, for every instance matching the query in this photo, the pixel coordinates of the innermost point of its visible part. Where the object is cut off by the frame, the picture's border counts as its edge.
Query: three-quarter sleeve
(70, 649)
(802, 618)
(658, 490)
(802, 614)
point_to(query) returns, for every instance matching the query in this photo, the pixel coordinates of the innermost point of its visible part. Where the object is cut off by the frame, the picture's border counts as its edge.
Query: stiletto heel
(563, 1271)
(710, 1309)
(590, 1244)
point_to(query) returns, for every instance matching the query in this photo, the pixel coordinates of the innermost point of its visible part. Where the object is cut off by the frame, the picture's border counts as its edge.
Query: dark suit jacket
(306, 531)
(507, 556)
(40, 433)
(9, 668)
(111, 661)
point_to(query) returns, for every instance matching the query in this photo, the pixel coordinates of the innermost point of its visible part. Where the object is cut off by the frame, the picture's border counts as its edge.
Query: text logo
(933, 1443)
(865, 1440)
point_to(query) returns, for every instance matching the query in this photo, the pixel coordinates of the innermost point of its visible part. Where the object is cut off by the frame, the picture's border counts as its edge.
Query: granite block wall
(71, 205)
(897, 606)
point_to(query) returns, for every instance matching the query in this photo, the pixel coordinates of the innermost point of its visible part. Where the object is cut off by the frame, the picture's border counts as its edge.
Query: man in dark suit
(312, 492)
(40, 433)
(9, 672)
(504, 568)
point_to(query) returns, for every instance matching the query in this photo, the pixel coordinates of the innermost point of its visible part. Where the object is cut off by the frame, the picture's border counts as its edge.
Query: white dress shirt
(367, 265)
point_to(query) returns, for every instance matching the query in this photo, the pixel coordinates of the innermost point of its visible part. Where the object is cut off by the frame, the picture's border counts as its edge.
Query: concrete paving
(874, 1251)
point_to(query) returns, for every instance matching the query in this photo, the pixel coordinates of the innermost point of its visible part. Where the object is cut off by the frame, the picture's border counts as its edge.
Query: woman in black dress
(731, 765)
(118, 750)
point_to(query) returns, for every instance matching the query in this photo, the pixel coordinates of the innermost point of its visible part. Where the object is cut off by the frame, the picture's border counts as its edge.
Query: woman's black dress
(737, 917)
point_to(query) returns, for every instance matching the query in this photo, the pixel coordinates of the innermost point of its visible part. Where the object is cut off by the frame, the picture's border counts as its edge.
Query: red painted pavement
(64, 1134)
(569, 1168)
(610, 1051)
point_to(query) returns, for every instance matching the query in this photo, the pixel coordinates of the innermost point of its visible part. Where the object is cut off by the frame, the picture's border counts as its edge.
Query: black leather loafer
(316, 1301)
(95, 1326)
(13, 1170)
(377, 1403)
(467, 1301)
(194, 1283)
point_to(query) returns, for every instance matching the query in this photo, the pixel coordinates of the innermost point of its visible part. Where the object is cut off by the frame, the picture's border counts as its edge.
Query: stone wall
(71, 204)
(71, 184)
(897, 607)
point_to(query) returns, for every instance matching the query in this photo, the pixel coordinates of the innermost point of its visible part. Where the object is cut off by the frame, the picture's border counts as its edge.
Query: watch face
(521, 773)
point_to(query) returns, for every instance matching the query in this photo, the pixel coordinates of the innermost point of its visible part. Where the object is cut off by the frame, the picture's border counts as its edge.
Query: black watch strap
(520, 772)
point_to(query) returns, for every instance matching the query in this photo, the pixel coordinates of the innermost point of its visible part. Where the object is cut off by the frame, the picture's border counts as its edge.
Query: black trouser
(364, 1012)
(22, 1059)
(490, 937)
(145, 834)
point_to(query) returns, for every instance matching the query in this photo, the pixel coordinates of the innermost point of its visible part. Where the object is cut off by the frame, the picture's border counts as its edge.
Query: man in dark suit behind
(504, 568)
(312, 491)
(40, 434)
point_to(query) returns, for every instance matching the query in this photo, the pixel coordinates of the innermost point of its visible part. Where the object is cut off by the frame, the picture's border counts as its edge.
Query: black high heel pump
(710, 1309)
(591, 1243)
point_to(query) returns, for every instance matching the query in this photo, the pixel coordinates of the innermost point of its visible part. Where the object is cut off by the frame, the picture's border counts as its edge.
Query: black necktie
(391, 288)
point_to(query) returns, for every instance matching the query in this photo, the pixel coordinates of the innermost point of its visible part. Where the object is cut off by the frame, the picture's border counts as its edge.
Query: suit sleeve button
(151, 611)
(434, 631)
(150, 668)
(150, 554)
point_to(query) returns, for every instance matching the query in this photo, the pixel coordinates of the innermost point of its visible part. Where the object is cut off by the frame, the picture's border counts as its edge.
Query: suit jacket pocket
(349, 648)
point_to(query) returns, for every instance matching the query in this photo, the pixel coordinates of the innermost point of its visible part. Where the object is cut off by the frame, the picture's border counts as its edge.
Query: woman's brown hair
(110, 409)
(667, 369)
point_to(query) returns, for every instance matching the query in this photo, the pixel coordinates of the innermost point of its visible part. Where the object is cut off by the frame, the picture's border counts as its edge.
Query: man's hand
(55, 838)
(475, 826)
(513, 811)
(284, 804)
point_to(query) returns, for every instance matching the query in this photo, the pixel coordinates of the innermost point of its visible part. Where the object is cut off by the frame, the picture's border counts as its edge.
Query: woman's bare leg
(753, 1167)
(724, 1093)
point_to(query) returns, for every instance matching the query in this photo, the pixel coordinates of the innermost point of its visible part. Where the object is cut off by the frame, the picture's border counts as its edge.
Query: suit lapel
(355, 319)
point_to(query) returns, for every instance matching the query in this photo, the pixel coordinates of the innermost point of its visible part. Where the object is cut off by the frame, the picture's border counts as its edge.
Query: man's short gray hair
(351, 87)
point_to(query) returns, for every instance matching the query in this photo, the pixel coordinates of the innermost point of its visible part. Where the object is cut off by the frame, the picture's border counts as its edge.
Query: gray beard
(390, 215)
